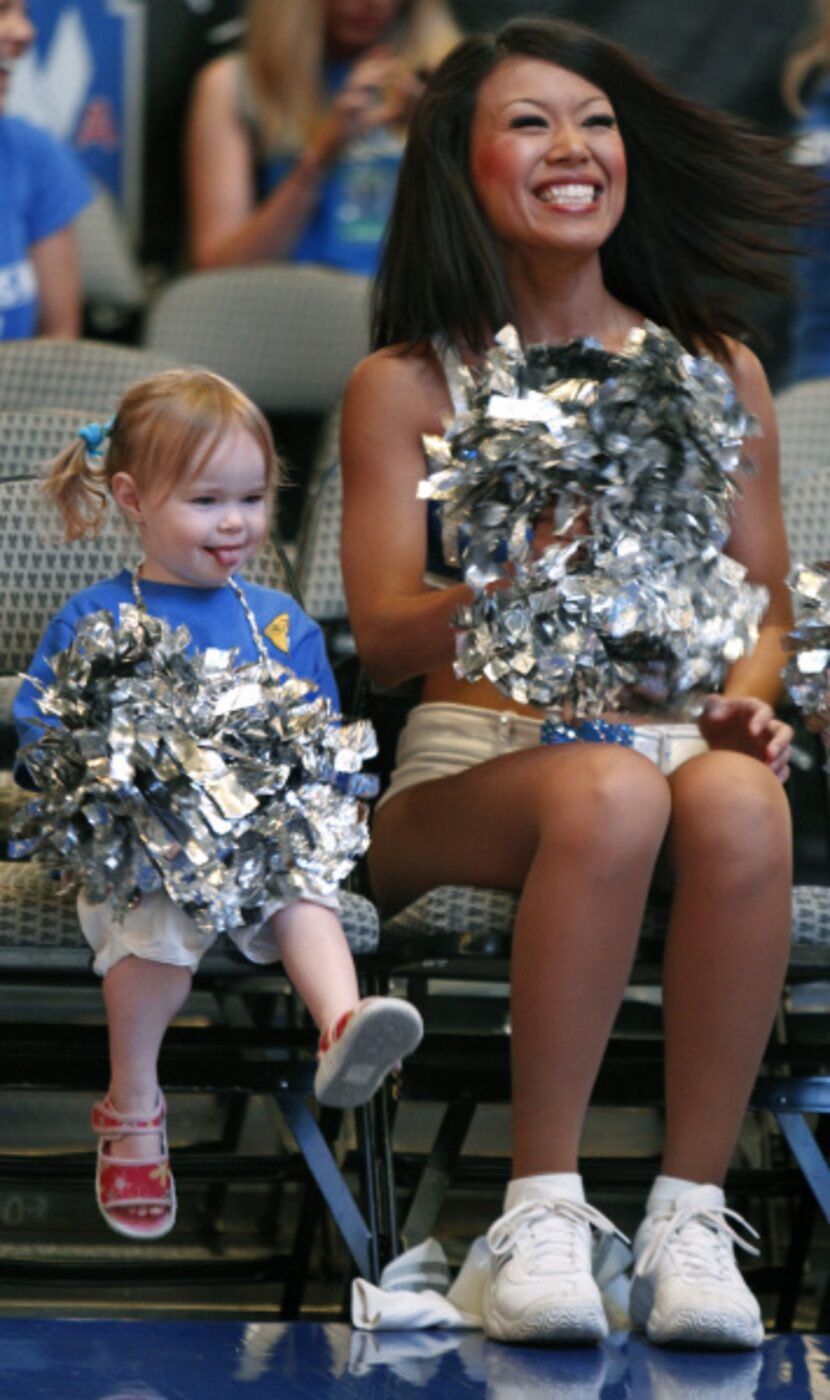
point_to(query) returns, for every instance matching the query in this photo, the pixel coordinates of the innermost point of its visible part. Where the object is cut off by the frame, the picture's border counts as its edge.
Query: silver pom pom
(633, 601)
(227, 787)
(807, 672)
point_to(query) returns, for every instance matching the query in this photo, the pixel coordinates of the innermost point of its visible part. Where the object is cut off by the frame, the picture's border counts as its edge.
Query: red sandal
(122, 1183)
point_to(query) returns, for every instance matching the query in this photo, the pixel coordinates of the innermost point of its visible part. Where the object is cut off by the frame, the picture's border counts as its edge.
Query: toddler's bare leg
(141, 999)
(318, 960)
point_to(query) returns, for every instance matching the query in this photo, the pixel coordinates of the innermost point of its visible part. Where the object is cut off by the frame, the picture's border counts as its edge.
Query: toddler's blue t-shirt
(214, 617)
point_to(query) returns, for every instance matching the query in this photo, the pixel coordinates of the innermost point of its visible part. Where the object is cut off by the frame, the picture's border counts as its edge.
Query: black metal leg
(387, 1200)
(364, 1124)
(292, 1298)
(229, 1142)
(438, 1172)
(333, 1188)
(800, 1240)
(789, 1100)
(811, 1160)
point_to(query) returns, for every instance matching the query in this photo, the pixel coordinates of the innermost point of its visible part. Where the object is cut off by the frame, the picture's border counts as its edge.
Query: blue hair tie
(95, 435)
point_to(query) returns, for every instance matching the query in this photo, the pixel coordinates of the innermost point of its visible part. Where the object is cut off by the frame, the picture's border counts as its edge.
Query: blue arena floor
(47, 1359)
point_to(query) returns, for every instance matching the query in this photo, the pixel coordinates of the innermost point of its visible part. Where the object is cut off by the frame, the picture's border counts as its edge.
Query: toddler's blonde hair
(164, 431)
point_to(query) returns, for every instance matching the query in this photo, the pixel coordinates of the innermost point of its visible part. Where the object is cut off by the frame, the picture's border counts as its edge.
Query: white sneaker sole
(356, 1065)
(564, 1324)
(693, 1326)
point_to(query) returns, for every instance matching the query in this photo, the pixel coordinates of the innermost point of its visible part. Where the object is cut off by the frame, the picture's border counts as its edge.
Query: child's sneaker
(687, 1288)
(541, 1287)
(357, 1053)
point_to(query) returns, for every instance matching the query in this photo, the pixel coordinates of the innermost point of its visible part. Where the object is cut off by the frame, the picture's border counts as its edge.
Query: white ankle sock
(566, 1186)
(667, 1190)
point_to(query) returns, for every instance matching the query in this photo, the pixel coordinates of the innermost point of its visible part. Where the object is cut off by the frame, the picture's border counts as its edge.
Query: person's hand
(748, 725)
(380, 90)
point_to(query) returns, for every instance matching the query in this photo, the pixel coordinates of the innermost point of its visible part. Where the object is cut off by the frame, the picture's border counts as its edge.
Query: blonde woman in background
(293, 144)
(811, 59)
(806, 91)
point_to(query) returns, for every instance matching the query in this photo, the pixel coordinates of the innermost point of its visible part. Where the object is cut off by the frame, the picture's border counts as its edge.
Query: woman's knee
(731, 813)
(609, 805)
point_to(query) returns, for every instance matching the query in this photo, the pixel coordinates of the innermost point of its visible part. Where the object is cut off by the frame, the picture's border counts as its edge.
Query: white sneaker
(357, 1053)
(541, 1288)
(686, 1286)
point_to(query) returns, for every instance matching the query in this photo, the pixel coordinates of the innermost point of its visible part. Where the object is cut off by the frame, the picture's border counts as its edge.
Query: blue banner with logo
(112, 78)
(79, 81)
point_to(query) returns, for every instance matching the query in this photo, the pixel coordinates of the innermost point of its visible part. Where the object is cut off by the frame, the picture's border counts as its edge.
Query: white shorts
(440, 740)
(157, 930)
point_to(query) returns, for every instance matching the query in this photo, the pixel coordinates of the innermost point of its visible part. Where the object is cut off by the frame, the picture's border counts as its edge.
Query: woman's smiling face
(547, 160)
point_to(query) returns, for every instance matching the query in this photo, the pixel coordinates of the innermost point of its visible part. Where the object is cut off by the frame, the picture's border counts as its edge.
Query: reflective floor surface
(95, 1360)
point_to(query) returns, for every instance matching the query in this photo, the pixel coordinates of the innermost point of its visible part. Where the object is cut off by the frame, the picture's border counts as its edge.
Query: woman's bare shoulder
(399, 364)
(743, 367)
(410, 378)
(218, 80)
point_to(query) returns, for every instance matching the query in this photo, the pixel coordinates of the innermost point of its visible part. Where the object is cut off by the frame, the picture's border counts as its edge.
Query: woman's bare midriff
(444, 687)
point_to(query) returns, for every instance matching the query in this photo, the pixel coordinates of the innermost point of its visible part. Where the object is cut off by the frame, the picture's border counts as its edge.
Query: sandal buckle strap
(107, 1120)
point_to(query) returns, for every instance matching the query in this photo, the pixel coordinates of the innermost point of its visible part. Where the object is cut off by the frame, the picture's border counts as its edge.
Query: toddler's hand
(748, 725)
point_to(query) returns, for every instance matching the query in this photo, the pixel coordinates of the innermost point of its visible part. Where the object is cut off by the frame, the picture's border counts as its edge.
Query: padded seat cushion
(33, 915)
(482, 919)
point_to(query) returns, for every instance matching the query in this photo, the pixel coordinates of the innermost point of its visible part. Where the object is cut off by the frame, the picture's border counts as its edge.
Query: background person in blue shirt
(42, 190)
(294, 144)
(191, 463)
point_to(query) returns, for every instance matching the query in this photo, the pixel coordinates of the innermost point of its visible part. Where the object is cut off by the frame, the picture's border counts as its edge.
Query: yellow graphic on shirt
(277, 631)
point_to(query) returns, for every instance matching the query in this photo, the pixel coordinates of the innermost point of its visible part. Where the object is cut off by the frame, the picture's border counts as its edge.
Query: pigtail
(77, 483)
(165, 428)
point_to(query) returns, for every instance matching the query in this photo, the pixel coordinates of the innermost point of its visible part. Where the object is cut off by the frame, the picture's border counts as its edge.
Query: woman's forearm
(412, 637)
(272, 229)
(760, 673)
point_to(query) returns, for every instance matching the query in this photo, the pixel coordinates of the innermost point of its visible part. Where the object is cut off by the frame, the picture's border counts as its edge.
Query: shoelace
(700, 1237)
(560, 1236)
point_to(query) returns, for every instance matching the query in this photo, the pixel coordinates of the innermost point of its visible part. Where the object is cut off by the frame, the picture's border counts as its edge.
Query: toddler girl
(190, 462)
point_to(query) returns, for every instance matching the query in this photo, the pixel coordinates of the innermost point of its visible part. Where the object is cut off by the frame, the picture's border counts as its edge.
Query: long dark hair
(709, 202)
